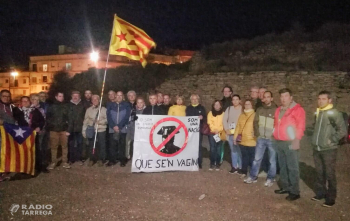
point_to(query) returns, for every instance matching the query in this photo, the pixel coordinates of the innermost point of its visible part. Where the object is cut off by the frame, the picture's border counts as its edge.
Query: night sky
(37, 27)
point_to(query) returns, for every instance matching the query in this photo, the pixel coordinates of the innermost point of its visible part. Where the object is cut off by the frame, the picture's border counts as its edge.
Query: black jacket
(226, 102)
(153, 110)
(76, 117)
(196, 111)
(35, 117)
(57, 117)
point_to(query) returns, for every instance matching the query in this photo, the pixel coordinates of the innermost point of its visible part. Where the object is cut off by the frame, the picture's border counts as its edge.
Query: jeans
(248, 154)
(261, 146)
(236, 155)
(117, 148)
(56, 139)
(288, 160)
(75, 152)
(200, 150)
(215, 152)
(100, 147)
(325, 163)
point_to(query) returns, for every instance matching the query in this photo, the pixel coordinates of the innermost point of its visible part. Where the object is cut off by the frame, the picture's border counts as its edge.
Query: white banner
(165, 143)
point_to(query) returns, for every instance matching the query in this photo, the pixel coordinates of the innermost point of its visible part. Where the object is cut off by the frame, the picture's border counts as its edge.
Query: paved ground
(83, 193)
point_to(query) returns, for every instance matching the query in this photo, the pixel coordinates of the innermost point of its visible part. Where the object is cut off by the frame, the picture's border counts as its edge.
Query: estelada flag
(17, 149)
(130, 41)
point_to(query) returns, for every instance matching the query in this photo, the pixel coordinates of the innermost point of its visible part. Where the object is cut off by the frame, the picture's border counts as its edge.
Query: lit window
(44, 67)
(68, 66)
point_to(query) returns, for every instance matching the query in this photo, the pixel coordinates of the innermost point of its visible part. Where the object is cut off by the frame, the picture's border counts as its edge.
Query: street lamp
(14, 74)
(94, 56)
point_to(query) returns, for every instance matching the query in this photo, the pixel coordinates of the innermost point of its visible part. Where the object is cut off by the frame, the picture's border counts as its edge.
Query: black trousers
(117, 148)
(325, 163)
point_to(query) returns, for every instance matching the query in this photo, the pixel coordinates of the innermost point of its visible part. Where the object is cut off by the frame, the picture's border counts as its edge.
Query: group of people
(259, 133)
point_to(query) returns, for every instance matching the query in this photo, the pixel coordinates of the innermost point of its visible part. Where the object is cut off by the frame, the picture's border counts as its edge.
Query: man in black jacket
(129, 139)
(57, 124)
(153, 108)
(195, 109)
(75, 126)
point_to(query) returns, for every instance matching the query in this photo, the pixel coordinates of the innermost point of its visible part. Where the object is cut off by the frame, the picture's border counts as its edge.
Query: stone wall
(305, 86)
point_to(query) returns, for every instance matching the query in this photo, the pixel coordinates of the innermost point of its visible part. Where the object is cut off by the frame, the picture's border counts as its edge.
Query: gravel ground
(95, 193)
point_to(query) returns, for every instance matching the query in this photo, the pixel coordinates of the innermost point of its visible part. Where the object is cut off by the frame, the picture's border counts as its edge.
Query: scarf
(248, 111)
(194, 105)
(328, 107)
(27, 111)
(215, 112)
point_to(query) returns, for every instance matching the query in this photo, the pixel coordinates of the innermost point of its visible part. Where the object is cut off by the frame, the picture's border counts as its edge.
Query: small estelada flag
(17, 149)
(130, 41)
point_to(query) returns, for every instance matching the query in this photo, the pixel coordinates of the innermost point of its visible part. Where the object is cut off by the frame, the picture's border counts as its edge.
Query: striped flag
(17, 149)
(130, 41)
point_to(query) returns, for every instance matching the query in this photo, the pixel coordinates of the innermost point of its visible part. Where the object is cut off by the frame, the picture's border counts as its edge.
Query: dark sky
(37, 27)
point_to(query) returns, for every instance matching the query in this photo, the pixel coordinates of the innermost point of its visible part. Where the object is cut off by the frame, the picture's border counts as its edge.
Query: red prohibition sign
(157, 149)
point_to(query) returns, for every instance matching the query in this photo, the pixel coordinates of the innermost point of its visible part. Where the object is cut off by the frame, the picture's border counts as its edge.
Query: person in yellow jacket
(216, 126)
(179, 109)
(244, 136)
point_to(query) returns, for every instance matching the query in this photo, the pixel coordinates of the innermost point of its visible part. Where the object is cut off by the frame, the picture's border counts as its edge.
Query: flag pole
(103, 86)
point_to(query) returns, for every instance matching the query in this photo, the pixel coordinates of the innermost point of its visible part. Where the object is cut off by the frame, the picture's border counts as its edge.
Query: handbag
(205, 129)
(239, 136)
(90, 130)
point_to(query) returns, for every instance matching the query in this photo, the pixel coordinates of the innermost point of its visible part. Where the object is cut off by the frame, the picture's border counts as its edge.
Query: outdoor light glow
(14, 73)
(94, 56)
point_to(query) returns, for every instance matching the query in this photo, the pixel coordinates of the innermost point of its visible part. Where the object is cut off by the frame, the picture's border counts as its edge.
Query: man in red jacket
(289, 127)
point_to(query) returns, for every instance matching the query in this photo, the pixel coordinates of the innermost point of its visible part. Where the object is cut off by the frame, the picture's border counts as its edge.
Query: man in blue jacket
(118, 114)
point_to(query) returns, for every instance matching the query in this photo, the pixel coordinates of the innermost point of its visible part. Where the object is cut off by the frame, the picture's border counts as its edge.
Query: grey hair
(129, 92)
(95, 95)
(195, 95)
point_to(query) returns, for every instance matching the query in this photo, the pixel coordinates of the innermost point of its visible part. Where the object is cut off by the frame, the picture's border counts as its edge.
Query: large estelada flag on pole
(17, 149)
(130, 41)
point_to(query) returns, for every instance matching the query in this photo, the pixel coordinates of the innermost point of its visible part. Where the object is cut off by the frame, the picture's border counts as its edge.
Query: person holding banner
(196, 109)
(179, 109)
(230, 121)
(244, 136)
(89, 127)
(140, 107)
(215, 117)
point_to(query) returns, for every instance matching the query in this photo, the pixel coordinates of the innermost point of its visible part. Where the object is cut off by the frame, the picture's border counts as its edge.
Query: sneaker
(66, 165)
(217, 168)
(240, 172)
(329, 203)
(317, 198)
(80, 163)
(211, 167)
(51, 166)
(269, 183)
(250, 180)
(111, 163)
(4, 177)
(233, 171)
(292, 197)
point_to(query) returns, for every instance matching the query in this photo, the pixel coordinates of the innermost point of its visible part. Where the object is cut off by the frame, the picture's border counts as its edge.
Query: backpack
(345, 139)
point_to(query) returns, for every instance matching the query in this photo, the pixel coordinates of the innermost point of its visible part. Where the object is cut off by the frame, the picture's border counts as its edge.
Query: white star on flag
(19, 132)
